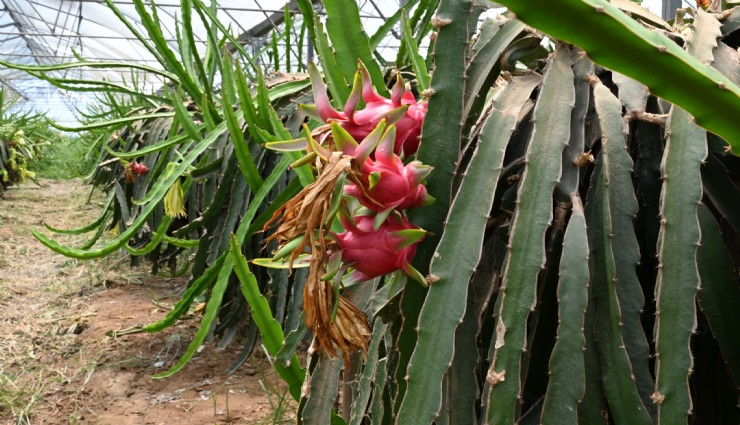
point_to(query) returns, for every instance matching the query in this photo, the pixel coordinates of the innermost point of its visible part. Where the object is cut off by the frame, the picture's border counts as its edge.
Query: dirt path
(58, 366)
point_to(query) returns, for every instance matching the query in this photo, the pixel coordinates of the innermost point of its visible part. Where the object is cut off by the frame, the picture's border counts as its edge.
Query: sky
(655, 6)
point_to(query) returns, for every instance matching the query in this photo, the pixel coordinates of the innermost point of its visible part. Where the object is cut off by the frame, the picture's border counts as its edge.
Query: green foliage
(65, 157)
(610, 210)
(180, 150)
(479, 346)
(606, 333)
(674, 74)
(349, 41)
(526, 255)
(22, 135)
(272, 334)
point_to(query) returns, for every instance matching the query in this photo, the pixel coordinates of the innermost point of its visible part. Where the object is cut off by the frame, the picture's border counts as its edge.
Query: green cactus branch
(440, 148)
(323, 384)
(680, 235)
(364, 387)
(350, 41)
(272, 334)
(678, 275)
(609, 212)
(485, 66)
(719, 297)
(456, 257)
(527, 256)
(613, 39)
(568, 375)
(440, 139)
(623, 208)
(158, 192)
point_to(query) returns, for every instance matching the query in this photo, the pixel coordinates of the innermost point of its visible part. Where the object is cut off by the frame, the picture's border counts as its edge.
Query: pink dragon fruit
(386, 183)
(401, 109)
(132, 169)
(377, 252)
(139, 168)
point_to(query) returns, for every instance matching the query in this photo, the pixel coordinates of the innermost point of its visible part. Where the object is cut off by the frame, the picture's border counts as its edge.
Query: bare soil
(60, 365)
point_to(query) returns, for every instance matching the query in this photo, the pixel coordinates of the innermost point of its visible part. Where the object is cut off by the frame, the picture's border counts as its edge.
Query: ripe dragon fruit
(401, 109)
(373, 252)
(386, 183)
(359, 154)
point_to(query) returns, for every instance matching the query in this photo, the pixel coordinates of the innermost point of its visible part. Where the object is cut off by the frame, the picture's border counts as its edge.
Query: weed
(282, 407)
(19, 400)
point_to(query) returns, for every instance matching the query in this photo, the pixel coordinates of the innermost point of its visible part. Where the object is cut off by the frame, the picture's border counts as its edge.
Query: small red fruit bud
(139, 168)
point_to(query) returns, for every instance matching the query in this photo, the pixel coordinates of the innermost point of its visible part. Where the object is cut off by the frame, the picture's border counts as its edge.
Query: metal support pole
(669, 8)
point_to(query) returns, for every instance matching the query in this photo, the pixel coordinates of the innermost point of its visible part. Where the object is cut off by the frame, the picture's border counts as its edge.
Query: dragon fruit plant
(577, 215)
(580, 250)
(363, 180)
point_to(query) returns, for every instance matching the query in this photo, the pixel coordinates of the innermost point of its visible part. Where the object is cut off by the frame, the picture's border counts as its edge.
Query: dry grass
(58, 363)
(37, 290)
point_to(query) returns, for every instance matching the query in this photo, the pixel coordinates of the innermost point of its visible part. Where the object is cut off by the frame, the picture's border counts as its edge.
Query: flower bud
(174, 201)
(139, 168)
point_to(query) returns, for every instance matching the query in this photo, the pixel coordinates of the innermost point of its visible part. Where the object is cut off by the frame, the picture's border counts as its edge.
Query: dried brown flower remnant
(306, 216)
(349, 331)
(584, 159)
(308, 210)
(129, 176)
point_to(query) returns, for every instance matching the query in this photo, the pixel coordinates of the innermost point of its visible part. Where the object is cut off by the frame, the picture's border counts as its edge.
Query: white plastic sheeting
(45, 32)
(42, 32)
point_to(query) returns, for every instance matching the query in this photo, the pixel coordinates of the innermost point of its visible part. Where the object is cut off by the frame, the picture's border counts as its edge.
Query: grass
(44, 368)
(283, 409)
(37, 289)
(64, 159)
(282, 405)
(18, 399)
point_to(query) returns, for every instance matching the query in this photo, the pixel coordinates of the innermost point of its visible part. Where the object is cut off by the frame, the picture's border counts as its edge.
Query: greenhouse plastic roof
(44, 32)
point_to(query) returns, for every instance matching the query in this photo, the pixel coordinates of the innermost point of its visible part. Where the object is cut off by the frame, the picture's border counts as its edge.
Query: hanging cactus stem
(306, 159)
(336, 289)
